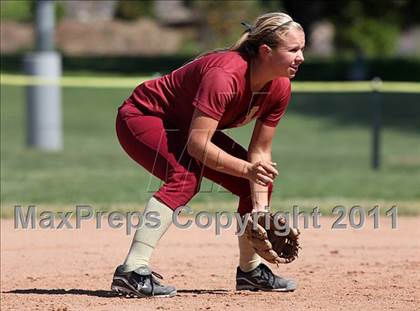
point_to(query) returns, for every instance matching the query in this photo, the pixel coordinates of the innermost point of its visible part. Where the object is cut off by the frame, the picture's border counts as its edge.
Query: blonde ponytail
(270, 29)
(241, 41)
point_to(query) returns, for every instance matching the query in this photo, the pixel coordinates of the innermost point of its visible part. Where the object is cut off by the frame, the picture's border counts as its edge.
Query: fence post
(376, 85)
(43, 101)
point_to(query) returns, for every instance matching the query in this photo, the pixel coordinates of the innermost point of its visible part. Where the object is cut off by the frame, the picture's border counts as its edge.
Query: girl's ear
(264, 50)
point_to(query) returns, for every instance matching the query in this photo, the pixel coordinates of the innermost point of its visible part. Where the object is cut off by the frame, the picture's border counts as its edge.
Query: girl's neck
(258, 75)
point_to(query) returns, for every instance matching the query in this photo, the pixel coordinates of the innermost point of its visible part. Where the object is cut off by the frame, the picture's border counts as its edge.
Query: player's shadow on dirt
(203, 291)
(105, 293)
(38, 291)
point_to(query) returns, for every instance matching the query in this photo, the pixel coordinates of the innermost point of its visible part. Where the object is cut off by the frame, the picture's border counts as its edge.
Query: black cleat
(141, 282)
(262, 278)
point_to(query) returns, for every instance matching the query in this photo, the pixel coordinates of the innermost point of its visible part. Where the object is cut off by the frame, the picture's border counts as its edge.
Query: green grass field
(322, 149)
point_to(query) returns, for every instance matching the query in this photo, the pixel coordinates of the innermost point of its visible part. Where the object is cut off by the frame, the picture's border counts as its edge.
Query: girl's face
(285, 59)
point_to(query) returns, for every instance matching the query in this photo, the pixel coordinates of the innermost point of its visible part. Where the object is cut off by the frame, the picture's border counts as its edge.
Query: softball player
(171, 126)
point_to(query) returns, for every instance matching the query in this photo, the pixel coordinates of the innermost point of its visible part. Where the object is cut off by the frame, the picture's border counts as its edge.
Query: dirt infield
(337, 270)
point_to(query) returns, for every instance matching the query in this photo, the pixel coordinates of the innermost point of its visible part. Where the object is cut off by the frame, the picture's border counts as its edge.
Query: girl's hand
(262, 172)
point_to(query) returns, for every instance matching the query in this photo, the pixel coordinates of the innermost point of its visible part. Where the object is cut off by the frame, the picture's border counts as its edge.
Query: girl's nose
(299, 57)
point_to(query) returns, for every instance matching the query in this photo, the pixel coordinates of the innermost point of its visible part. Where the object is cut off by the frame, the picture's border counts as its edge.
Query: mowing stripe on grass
(298, 87)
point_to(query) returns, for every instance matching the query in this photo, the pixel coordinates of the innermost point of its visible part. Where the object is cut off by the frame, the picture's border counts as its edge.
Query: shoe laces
(267, 274)
(153, 279)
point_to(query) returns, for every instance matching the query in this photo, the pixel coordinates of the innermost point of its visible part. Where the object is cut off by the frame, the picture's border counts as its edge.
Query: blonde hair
(270, 29)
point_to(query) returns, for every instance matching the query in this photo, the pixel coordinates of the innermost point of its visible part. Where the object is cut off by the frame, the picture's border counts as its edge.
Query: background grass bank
(322, 148)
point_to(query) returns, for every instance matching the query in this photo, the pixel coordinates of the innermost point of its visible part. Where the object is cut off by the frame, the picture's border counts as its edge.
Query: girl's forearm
(259, 193)
(217, 159)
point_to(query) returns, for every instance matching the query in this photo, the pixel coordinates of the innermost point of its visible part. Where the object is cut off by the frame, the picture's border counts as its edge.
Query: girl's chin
(289, 73)
(292, 72)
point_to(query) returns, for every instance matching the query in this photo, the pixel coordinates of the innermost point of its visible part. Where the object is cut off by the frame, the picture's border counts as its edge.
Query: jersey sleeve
(279, 101)
(216, 90)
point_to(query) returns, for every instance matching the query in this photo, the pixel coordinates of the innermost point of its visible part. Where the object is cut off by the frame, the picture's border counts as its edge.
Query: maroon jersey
(219, 85)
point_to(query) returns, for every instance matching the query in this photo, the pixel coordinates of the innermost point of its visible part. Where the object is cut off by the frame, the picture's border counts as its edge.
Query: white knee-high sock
(248, 258)
(145, 239)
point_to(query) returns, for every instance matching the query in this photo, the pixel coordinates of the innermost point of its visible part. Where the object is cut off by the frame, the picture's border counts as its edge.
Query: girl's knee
(179, 189)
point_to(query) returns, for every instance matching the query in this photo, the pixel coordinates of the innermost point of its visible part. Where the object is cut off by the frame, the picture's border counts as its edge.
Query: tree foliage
(221, 20)
(19, 11)
(132, 10)
(369, 27)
